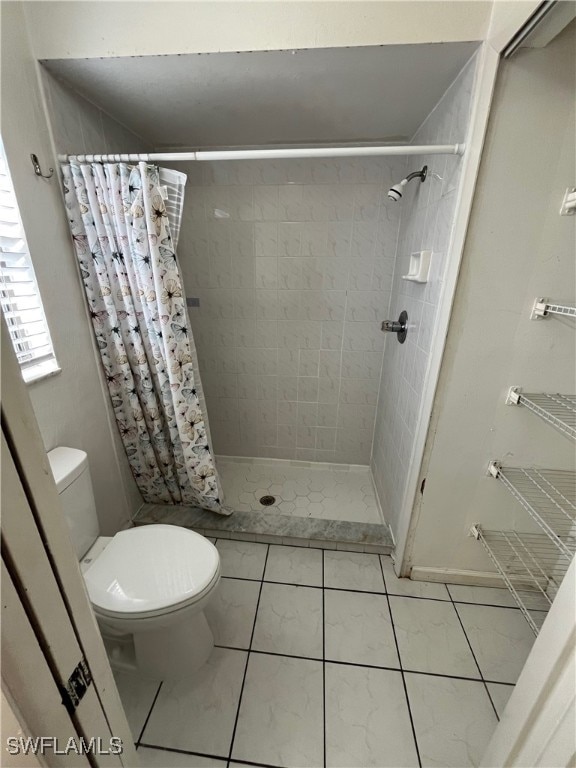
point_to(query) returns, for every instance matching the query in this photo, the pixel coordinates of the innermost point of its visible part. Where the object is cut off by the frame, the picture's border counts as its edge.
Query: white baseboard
(455, 576)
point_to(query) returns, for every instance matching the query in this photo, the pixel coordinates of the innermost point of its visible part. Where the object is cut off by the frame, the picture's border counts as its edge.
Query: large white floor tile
(500, 694)
(231, 612)
(500, 638)
(281, 716)
(396, 586)
(367, 719)
(242, 559)
(430, 638)
(289, 620)
(161, 758)
(198, 714)
(494, 596)
(137, 694)
(358, 629)
(351, 570)
(454, 720)
(294, 565)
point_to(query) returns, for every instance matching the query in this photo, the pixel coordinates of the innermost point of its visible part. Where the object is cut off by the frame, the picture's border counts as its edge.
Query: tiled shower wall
(290, 264)
(427, 219)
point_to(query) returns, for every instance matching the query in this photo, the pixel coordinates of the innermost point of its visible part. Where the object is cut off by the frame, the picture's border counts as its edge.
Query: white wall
(506, 18)
(71, 407)
(69, 30)
(428, 211)
(517, 248)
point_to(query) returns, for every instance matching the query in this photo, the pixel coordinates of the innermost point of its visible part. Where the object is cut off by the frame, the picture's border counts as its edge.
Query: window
(19, 294)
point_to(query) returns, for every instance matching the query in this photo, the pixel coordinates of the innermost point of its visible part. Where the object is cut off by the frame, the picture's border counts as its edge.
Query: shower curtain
(122, 239)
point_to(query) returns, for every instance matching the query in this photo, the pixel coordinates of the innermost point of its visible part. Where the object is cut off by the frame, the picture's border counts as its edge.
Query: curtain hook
(38, 170)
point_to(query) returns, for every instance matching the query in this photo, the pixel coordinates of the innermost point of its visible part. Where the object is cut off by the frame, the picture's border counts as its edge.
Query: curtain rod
(270, 154)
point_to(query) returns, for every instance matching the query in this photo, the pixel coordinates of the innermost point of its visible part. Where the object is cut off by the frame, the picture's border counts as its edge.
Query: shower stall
(291, 259)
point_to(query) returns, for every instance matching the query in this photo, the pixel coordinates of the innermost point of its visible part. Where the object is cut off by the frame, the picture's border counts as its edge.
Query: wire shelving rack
(549, 497)
(545, 308)
(555, 409)
(525, 561)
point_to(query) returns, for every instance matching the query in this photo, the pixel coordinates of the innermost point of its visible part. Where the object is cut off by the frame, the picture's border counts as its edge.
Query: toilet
(148, 585)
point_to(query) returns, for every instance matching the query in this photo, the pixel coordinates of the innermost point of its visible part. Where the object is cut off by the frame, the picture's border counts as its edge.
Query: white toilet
(148, 585)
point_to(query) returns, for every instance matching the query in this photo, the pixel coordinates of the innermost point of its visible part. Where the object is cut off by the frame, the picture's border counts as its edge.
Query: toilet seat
(138, 620)
(152, 570)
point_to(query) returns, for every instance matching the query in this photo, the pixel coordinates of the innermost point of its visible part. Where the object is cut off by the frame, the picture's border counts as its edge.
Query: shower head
(395, 192)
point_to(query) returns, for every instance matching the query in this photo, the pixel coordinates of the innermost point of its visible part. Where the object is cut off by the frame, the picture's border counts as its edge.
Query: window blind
(19, 295)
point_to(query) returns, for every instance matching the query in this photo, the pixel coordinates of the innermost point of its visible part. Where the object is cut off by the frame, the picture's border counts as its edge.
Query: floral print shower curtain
(128, 264)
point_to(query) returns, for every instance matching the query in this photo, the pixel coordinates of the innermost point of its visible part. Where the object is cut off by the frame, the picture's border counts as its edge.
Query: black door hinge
(77, 685)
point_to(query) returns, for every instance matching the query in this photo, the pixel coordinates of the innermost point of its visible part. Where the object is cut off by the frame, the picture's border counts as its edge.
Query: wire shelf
(558, 410)
(549, 496)
(544, 308)
(526, 561)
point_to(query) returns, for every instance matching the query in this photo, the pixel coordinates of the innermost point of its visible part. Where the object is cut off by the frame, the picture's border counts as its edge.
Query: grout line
(418, 597)
(401, 670)
(280, 543)
(252, 762)
(248, 655)
(324, 658)
(505, 607)
(370, 592)
(138, 741)
(474, 656)
(454, 677)
(384, 575)
(205, 754)
(467, 640)
(366, 666)
(488, 605)
(277, 583)
(181, 751)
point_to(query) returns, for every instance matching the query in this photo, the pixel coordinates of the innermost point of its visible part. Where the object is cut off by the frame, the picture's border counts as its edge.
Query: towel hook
(38, 170)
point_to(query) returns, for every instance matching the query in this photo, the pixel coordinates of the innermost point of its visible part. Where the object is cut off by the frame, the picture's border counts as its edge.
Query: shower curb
(272, 528)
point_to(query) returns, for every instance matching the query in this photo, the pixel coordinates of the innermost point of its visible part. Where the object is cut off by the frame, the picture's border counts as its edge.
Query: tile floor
(325, 658)
(323, 491)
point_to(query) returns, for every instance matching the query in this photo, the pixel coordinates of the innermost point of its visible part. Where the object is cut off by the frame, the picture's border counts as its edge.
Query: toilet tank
(72, 477)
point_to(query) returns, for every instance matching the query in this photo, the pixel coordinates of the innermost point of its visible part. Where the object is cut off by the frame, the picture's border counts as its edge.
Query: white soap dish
(419, 267)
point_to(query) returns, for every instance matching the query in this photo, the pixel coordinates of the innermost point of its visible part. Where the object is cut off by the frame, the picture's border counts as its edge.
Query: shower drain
(267, 501)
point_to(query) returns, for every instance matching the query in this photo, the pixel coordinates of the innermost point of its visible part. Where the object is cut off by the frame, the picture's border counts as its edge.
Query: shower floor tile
(318, 681)
(322, 491)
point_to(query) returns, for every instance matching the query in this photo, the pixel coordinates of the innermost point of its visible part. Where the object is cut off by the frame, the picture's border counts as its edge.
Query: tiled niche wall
(427, 219)
(80, 127)
(291, 265)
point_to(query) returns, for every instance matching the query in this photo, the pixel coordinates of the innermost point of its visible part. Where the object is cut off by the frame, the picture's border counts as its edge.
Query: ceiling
(322, 95)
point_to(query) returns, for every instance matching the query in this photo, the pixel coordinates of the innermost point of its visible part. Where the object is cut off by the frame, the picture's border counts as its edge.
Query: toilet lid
(151, 567)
